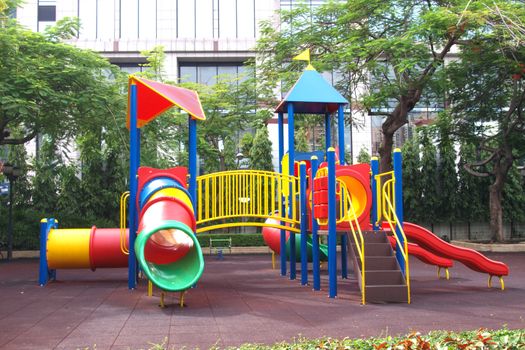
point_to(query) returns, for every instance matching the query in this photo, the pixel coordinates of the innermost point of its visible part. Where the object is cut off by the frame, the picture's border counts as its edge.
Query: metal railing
(226, 196)
(386, 209)
(123, 210)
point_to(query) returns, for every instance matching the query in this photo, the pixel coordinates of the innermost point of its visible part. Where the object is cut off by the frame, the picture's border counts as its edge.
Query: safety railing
(123, 209)
(386, 209)
(226, 196)
(350, 216)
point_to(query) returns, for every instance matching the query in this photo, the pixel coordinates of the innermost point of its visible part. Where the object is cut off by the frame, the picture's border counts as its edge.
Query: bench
(220, 244)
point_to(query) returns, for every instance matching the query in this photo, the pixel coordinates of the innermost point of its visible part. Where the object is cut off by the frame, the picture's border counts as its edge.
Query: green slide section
(323, 249)
(176, 276)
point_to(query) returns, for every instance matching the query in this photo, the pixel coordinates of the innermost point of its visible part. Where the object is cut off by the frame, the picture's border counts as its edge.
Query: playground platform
(240, 299)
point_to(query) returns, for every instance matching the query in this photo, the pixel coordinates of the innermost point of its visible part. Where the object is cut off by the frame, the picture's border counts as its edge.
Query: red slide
(469, 257)
(424, 255)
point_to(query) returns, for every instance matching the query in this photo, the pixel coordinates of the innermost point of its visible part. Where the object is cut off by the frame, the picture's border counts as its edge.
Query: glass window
(245, 19)
(204, 17)
(106, 20)
(227, 19)
(147, 19)
(188, 74)
(166, 19)
(186, 19)
(129, 19)
(207, 75)
(47, 13)
(88, 19)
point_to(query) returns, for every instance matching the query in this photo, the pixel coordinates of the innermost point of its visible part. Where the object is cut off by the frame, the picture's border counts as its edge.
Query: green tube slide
(323, 249)
(176, 276)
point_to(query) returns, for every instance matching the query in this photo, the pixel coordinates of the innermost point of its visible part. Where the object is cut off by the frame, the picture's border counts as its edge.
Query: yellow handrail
(245, 195)
(351, 217)
(389, 214)
(123, 199)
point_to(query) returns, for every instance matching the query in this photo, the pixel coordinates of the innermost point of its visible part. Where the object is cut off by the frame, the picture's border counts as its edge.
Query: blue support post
(304, 224)
(43, 271)
(341, 142)
(44, 274)
(332, 233)
(291, 171)
(327, 131)
(374, 168)
(282, 208)
(134, 162)
(315, 227)
(344, 256)
(341, 133)
(398, 195)
(192, 160)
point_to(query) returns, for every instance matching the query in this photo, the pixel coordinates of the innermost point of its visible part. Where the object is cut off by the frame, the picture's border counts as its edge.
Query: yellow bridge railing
(245, 198)
(355, 228)
(385, 207)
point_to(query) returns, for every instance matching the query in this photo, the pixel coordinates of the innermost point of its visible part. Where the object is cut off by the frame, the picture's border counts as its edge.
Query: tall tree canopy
(387, 52)
(487, 91)
(49, 87)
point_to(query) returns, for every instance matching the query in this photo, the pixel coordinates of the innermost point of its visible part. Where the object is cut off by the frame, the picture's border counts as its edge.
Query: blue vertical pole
(327, 131)
(43, 272)
(341, 133)
(315, 227)
(291, 171)
(332, 233)
(283, 232)
(374, 167)
(398, 194)
(304, 223)
(134, 162)
(192, 160)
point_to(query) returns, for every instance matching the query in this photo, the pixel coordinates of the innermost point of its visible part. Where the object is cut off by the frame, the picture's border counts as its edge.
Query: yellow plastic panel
(175, 193)
(68, 248)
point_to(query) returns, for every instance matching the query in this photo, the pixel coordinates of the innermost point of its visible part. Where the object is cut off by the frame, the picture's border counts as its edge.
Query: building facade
(201, 38)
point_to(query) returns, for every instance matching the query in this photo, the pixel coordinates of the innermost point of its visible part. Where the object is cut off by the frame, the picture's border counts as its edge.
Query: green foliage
(481, 339)
(429, 178)
(301, 140)
(447, 172)
(51, 88)
(364, 156)
(246, 143)
(261, 151)
(472, 190)
(411, 38)
(411, 179)
(238, 239)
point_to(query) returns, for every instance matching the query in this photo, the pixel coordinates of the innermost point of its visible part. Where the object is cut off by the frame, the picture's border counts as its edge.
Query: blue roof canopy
(312, 94)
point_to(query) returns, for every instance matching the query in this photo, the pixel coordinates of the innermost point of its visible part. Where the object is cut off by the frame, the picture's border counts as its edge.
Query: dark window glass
(47, 13)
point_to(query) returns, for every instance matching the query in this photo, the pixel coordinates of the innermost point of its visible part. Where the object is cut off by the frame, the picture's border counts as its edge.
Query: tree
(49, 87)
(364, 156)
(488, 96)
(261, 152)
(429, 202)
(386, 51)
(411, 178)
(447, 170)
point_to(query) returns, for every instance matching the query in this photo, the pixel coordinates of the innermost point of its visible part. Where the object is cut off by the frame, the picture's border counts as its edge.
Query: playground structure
(312, 195)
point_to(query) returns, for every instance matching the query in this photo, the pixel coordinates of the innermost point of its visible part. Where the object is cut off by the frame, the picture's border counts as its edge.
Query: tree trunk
(385, 152)
(496, 212)
(502, 165)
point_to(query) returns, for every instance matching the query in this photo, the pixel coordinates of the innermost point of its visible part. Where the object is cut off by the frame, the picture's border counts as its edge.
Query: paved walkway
(240, 299)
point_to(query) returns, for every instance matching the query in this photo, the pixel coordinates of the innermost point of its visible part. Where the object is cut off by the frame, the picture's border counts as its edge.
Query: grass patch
(483, 339)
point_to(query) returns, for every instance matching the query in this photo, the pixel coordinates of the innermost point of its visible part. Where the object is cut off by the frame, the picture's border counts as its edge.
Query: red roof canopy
(154, 98)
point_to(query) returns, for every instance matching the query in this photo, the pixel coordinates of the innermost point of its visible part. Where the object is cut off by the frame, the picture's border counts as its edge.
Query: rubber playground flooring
(240, 299)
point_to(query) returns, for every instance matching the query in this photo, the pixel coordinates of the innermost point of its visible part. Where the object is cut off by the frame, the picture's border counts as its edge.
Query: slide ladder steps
(383, 278)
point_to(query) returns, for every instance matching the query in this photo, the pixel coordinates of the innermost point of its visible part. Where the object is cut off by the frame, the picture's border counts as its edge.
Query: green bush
(238, 239)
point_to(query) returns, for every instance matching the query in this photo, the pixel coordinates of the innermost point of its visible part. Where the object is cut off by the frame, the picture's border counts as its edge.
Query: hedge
(238, 239)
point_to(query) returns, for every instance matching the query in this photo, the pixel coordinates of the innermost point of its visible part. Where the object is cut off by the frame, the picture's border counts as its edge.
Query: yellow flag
(303, 56)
